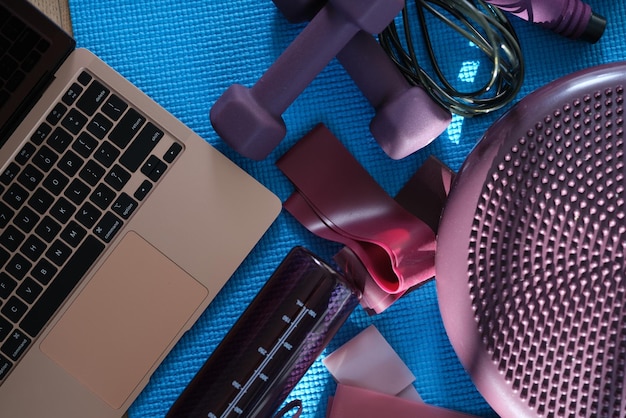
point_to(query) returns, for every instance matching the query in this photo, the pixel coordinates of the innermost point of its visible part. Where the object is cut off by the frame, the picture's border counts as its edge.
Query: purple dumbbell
(571, 18)
(407, 118)
(249, 120)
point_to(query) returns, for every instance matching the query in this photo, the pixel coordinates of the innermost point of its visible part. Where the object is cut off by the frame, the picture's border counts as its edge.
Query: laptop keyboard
(20, 49)
(68, 193)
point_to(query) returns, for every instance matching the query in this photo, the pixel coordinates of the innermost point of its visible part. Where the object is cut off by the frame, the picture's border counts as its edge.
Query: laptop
(118, 226)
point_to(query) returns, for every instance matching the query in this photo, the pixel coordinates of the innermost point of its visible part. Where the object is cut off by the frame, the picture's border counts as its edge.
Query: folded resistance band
(337, 199)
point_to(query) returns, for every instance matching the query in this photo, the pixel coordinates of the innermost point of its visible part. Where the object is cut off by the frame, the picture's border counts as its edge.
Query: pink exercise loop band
(336, 199)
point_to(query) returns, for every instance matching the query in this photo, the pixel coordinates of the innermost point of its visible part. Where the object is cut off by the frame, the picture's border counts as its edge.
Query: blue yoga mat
(185, 53)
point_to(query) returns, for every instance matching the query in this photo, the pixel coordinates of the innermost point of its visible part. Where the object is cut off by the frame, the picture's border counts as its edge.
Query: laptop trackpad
(123, 320)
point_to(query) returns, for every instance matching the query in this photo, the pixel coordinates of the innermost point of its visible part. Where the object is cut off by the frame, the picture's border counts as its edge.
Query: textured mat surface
(185, 53)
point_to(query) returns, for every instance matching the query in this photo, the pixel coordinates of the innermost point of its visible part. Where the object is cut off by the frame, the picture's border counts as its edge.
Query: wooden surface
(58, 10)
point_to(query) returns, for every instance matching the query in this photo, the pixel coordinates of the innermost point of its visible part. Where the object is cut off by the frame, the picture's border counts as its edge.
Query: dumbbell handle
(363, 59)
(571, 18)
(369, 66)
(303, 59)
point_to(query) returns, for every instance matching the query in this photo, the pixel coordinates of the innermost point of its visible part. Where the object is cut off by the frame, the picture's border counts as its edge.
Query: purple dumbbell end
(408, 123)
(245, 125)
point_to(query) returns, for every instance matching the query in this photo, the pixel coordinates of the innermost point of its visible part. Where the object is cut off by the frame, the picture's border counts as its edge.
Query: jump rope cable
(482, 24)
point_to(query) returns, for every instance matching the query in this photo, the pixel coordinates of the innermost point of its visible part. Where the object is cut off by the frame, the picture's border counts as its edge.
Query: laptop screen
(29, 55)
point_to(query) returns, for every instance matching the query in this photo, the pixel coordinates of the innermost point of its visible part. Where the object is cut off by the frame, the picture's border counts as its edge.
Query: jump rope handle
(571, 18)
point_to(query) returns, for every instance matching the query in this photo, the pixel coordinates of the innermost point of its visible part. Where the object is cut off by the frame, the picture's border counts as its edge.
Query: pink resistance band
(337, 199)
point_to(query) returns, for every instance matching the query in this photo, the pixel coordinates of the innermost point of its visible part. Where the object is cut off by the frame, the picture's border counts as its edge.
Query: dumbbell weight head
(408, 123)
(407, 118)
(240, 115)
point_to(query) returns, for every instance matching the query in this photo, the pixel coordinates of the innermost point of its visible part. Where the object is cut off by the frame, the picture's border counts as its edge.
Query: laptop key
(143, 190)
(74, 121)
(117, 177)
(26, 219)
(30, 177)
(7, 66)
(99, 126)
(172, 152)
(62, 210)
(58, 252)
(127, 128)
(7, 285)
(5, 366)
(85, 144)
(60, 288)
(114, 107)
(108, 226)
(9, 173)
(72, 94)
(16, 344)
(92, 98)
(13, 27)
(154, 168)
(84, 78)
(73, 233)
(15, 196)
(43, 45)
(107, 154)
(29, 290)
(18, 266)
(45, 158)
(5, 329)
(25, 153)
(14, 81)
(92, 172)
(4, 256)
(6, 213)
(41, 200)
(77, 191)
(59, 140)
(41, 133)
(11, 238)
(139, 150)
(47, 229)
(14, 309)
(124, 206)
(102, 196)
(56, 114)
(33, 248)
(88, 214)
(44, 271)
(70, 163)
